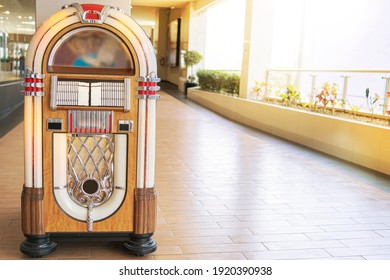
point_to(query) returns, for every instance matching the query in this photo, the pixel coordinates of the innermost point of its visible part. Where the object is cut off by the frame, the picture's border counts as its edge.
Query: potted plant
(191, 58)
(291, 96)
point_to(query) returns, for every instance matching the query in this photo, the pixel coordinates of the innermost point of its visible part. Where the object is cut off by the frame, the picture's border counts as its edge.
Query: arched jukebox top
(100, 39)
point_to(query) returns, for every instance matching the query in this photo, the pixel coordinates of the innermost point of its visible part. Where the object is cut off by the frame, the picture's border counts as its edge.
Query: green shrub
(233, 83)
(218, 81)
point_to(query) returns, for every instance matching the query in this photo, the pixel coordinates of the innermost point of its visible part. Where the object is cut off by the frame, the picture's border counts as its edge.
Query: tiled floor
(230, 192)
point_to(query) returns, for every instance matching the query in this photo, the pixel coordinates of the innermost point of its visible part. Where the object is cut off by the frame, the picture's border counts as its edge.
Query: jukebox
(90, 113)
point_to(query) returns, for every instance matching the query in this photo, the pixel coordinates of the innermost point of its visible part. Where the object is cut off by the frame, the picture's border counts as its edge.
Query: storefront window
(17, 25)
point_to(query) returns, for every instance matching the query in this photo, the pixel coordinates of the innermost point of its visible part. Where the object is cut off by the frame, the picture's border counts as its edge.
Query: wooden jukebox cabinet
(90, 114)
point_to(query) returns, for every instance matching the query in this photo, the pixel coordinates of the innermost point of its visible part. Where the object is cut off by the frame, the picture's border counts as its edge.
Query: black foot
(140, 244)
(37, 246)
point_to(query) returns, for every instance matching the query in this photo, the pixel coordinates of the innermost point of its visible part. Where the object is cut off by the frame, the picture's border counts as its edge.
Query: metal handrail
(333, 70)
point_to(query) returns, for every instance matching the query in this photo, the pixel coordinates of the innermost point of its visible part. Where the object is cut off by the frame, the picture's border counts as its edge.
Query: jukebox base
(37, 246)
(140, 244)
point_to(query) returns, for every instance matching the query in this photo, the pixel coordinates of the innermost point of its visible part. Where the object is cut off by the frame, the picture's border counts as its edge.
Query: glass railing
(356, 90)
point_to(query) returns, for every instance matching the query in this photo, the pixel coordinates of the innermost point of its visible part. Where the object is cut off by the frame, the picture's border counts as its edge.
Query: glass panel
(91, 50)
(17, 24)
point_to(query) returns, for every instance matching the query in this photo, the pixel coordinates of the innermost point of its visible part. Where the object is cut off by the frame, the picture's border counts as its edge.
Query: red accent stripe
(70, 122)
(28, 89)
(141, 84)
(109, 123)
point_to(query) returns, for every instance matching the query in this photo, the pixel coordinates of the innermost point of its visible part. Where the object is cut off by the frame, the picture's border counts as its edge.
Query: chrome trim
(83, 14)
(90, 158)
(33, 93)
(147, 96)
(65, 6)
(90, 217)
(120, 188)
(36, 85)
(148, 79)
(53, 92)
(127, 94)
(34, 75)
(61, 187)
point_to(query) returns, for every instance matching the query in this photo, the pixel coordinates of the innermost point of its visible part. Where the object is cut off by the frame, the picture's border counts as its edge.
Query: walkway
(230, 192)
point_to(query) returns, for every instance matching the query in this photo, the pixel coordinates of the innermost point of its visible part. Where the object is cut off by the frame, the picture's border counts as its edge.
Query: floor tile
(229, 192)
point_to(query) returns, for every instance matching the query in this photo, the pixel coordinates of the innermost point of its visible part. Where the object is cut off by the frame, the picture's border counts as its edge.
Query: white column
(141, 143)
(151, 143)
(28, 141)
(37, 148)
(257, 43)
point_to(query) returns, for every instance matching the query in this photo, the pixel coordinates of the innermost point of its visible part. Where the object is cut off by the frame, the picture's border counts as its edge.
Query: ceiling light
(7, 12)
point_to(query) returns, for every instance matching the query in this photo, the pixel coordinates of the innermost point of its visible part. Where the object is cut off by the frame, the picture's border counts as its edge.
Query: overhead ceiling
(17, 16)
(22, 16)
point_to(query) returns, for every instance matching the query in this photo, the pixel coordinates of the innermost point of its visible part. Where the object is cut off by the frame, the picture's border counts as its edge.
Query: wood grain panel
(55, 219)
(145, 210)
(32, 211)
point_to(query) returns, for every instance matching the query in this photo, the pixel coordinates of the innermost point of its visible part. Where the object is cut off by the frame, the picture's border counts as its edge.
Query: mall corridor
(226, 191)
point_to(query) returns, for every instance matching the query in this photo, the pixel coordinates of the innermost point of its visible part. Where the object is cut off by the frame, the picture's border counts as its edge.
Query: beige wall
(165, 72)
(148, 19)
(162, 69)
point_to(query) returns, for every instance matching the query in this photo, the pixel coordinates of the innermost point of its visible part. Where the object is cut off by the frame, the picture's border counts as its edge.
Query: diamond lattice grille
(90, 159)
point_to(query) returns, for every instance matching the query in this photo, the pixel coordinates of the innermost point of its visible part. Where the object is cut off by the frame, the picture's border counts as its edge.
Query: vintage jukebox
(90, 119)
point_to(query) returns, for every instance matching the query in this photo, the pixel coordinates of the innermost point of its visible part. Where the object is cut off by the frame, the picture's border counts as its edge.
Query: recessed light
(7, 12)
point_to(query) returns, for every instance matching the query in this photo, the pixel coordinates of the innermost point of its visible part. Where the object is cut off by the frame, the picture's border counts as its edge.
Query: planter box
(364, 144)
(6, 66)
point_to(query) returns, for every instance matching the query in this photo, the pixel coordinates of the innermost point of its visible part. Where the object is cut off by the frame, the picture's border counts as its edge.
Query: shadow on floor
(12, 120)
(172, 90)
